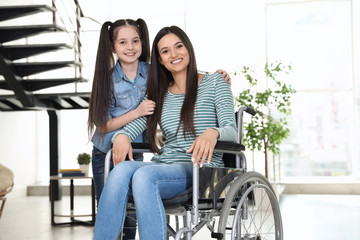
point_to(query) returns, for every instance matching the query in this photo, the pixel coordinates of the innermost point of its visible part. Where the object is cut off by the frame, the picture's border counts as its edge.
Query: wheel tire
(254, 192)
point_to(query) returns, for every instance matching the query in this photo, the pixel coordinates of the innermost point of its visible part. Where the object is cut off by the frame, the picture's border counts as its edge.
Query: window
(315, 37)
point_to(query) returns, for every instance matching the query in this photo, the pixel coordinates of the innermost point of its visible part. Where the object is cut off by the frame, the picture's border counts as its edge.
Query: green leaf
(264, 131)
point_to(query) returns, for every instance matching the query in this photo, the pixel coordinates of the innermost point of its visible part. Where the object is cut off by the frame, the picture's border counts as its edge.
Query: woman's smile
(173, 53)
(176, 61)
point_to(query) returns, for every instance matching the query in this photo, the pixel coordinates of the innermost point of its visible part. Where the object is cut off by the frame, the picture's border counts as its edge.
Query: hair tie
(110, 24)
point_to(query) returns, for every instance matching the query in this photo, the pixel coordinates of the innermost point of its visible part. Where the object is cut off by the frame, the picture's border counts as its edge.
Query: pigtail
(145, 43)
(100, 98)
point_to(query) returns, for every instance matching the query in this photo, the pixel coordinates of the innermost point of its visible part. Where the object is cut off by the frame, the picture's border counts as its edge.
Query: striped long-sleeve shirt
(214, 108)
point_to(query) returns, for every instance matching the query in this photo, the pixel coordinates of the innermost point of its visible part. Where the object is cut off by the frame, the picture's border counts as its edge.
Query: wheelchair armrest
(140, 147)
(228, 147)
(221, 146)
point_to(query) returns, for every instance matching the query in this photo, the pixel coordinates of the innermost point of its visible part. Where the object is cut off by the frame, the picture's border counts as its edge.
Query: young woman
(193, 112)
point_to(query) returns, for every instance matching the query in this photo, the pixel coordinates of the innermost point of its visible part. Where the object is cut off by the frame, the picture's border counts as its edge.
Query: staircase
(36, 67)
(21, 71)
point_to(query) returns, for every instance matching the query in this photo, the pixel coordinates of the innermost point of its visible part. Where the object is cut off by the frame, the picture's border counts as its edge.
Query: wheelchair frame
(236, 211)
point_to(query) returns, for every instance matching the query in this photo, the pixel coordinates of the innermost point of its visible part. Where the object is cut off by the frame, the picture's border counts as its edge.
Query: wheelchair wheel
(251, 210)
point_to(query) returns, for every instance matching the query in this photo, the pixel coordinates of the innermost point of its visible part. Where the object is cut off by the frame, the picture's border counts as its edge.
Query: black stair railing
(72, 25)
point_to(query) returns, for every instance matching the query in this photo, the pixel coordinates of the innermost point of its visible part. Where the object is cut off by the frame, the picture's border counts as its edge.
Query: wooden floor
(310, 217)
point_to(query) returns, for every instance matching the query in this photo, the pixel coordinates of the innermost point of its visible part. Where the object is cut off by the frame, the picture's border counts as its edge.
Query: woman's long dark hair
(160, 79)
(100, 98)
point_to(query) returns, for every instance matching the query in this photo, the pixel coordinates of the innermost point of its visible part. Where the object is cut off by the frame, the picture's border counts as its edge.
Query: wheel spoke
(259, 216)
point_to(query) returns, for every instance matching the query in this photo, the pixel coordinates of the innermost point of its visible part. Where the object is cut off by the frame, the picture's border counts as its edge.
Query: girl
(117, 90)
(193, 111)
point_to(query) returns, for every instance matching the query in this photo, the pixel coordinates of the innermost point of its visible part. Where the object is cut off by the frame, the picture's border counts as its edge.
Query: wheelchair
(231, 202)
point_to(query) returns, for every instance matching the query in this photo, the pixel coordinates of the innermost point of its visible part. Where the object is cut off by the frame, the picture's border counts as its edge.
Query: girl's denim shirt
(125, 97)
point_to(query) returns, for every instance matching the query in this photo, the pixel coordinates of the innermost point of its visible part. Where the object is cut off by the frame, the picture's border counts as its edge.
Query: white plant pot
(85, 168)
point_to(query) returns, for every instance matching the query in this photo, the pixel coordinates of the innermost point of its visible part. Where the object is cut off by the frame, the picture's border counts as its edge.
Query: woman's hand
(225, 75)
(145, 108)
(203, 146)
(121, 148)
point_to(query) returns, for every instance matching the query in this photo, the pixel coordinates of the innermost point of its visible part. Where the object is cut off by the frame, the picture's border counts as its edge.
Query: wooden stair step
(11, 12)
(15, 52)
(39, 84)
(30, 68)
(66, 100)
(10, 33)
(58, 101)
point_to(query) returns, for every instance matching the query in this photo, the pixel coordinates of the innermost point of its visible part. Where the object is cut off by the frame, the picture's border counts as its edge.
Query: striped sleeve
(224, 105)
(132, 129)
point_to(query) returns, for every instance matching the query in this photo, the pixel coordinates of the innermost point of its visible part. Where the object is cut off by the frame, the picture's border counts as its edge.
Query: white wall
(19, 147)
(24, 141)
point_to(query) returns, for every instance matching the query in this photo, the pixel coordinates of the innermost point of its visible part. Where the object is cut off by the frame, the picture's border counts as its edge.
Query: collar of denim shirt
(119, 74)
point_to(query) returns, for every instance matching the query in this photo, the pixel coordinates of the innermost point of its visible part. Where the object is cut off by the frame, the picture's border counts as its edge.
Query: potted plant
(84, 161)
(268, 128)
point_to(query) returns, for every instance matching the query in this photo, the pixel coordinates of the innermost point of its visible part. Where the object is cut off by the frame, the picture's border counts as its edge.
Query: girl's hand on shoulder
(121, 148)
(203, 146)
(145, 108)
(225, 75)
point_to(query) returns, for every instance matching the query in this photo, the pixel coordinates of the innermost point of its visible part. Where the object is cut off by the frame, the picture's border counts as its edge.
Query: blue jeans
(98, 165)
(149, 183)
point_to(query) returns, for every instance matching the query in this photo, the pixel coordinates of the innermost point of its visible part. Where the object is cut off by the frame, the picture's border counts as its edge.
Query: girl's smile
(127, 45)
